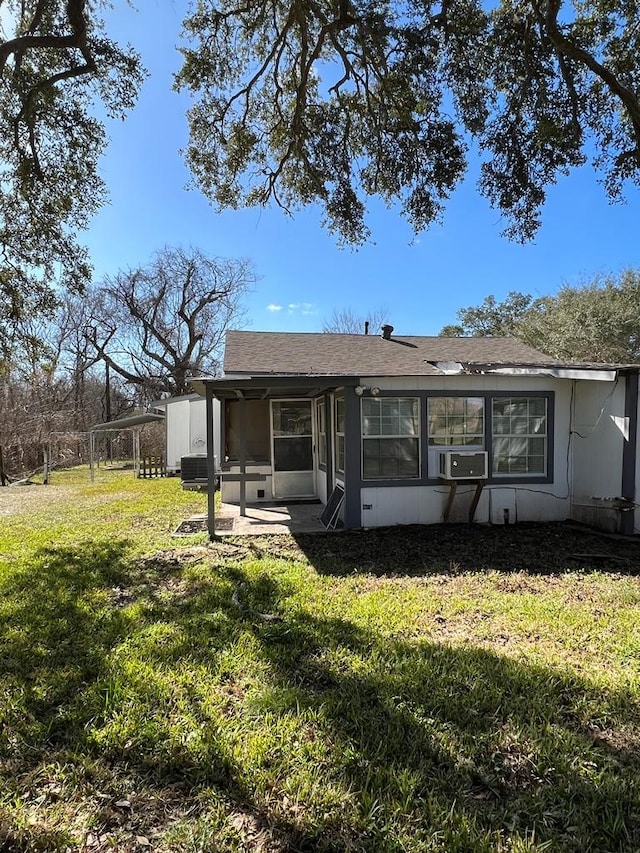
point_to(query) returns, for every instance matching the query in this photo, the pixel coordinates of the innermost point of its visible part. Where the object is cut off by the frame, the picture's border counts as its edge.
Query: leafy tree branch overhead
(56, 65)
(335, 101)
(315, 101)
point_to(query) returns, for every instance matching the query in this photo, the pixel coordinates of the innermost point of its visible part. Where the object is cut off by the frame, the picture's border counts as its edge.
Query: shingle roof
(310, 353)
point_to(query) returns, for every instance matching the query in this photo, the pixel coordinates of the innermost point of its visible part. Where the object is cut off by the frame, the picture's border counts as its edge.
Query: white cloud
(273, 307)
(305, 308)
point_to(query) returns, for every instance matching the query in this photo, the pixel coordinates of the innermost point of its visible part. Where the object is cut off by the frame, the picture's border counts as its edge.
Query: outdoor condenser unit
(464, 465)
(193, 467)
(194, 471)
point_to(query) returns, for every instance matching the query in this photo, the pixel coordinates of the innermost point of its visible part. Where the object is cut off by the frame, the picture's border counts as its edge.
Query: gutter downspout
(629, 450)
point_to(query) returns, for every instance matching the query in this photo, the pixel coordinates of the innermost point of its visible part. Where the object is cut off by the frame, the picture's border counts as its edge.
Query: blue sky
(304, 275)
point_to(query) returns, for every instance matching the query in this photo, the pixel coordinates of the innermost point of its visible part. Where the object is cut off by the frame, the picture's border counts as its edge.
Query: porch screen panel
(339, 435)
(390, 438)
(321, 414)
(257, 441)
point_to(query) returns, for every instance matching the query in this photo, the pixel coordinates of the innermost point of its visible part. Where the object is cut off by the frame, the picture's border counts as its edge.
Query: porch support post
(352, 452)
(629, 451)
(243, 455)
(211, 472)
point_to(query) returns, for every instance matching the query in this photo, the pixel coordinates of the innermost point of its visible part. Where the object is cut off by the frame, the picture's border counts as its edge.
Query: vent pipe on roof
(366, 327)
(387, 331)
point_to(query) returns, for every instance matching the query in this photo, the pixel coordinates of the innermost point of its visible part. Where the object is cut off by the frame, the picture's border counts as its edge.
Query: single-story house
(390, 429)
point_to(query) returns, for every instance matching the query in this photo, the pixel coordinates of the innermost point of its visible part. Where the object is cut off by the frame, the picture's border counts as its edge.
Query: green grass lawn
(421, 689)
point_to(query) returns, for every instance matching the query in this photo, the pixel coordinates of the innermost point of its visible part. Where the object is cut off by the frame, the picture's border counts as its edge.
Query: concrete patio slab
(266, 519)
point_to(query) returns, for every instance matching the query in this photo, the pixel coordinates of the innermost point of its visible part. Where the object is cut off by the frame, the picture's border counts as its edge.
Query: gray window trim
(525, 478)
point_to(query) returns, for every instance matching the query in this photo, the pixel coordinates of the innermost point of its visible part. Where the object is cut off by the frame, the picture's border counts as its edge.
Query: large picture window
(390, 438)
(519, 436)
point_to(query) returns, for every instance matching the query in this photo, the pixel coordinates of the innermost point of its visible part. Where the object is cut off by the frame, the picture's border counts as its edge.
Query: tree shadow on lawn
(417, 744)
(58, 625)
(536, 548)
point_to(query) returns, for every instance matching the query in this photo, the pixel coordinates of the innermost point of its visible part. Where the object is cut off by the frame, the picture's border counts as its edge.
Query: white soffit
(558, 373)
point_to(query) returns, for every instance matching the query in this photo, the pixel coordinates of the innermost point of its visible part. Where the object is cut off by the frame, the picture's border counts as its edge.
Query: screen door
(292, 431)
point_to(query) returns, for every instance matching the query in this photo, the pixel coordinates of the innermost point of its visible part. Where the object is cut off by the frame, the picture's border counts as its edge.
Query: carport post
(92, 444)
(211, 472)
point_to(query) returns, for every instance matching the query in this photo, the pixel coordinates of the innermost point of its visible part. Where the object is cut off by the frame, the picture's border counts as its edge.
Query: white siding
(198, 426)
(598, 442)
(177, 426)
(231, 491)
(321, 485)
(383, 506)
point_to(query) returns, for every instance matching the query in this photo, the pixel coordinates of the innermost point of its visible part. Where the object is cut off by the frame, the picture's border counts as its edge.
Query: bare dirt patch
(20, 499)
(538, 549)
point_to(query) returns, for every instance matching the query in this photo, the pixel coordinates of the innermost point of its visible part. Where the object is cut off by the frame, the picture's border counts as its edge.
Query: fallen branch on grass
(596, 556)
(248, 611)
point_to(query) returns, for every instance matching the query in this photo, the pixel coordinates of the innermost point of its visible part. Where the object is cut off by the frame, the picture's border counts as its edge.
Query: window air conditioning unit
(464, 465)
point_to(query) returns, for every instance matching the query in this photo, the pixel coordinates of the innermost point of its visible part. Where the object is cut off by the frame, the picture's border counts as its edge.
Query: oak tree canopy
(335, 101)
(58, 67)
(317, 101)
(598, 321)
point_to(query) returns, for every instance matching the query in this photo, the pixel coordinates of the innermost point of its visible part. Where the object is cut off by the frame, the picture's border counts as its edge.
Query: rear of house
(416, 430)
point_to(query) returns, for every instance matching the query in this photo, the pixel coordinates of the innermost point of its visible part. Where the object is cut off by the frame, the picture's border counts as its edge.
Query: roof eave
(271, 384)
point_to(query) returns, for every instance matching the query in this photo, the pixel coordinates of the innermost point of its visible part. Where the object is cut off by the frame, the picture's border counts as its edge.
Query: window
(514, 429)
(519, 435)
(390, 437)
(455, 421)
(321, 423)
(339, 444)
